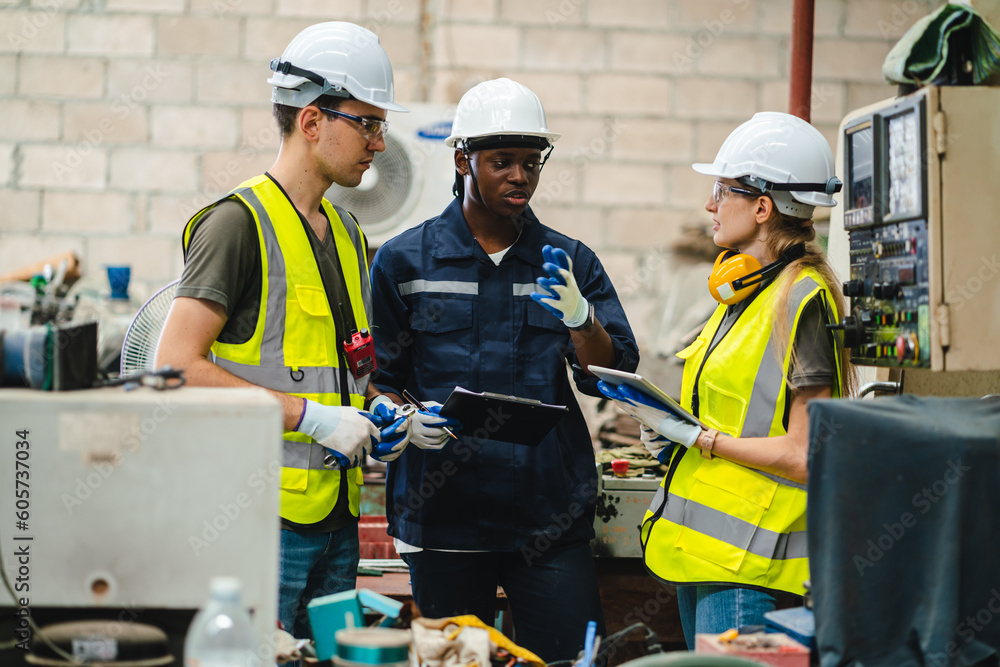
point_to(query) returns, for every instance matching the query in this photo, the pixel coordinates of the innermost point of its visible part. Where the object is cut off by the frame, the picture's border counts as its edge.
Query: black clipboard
(489, 416)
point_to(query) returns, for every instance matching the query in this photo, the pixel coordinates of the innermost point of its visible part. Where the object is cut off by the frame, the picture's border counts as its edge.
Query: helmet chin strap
(475, 182)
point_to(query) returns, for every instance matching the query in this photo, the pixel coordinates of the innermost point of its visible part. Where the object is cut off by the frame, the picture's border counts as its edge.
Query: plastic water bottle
(222, 634)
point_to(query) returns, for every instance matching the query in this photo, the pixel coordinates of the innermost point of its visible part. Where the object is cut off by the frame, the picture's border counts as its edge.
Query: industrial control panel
(919, 210)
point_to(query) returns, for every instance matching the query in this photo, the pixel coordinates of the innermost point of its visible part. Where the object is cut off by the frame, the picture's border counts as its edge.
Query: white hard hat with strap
(784, 157)
(501, 110)
(333, 58)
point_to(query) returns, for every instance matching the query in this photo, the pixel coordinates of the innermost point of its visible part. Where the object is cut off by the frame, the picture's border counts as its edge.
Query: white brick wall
(19, 210)
(121, 117)
(110, 35)
(91, 212)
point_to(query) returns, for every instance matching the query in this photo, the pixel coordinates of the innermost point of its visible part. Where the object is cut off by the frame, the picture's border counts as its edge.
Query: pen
(588, 644)
(412, 399)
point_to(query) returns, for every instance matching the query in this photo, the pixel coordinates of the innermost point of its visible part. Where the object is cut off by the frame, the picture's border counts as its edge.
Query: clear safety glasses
(372, 128)
(720, 190)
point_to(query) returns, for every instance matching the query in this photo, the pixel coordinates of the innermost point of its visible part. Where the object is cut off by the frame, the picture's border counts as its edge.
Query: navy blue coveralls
(446, 315)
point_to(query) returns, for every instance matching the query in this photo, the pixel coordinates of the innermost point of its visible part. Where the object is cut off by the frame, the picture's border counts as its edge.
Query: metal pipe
(801, 54)
(892, 387)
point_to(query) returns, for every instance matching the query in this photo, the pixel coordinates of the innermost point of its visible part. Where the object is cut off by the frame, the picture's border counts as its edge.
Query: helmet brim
(708, 168)
(455, 139)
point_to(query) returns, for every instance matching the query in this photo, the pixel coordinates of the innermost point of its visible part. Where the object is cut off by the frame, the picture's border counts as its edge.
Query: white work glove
(657, 446)
(427, 427)
(559, 293)
(650, 413)
(342, 430)
(394, 429)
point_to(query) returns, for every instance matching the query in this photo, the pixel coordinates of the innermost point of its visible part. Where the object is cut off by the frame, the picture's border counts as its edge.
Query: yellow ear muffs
(731, 266)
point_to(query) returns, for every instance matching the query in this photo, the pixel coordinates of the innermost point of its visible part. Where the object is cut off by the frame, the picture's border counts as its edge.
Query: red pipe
(800, 85)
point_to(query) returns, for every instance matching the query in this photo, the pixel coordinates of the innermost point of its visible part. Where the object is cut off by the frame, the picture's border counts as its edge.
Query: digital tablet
(617, 378)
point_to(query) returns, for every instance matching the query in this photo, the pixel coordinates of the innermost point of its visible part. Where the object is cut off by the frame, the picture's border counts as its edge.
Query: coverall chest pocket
(543, 345)
(444, 341)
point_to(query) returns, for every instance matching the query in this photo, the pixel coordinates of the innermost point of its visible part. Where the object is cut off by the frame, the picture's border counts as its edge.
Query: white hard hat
(771, 152)
(333, 58)
(499, 108)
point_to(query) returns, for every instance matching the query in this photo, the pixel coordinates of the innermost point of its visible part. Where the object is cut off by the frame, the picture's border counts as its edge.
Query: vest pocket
(294, 479)
(721, 409)
(307, 340)
(725, 507)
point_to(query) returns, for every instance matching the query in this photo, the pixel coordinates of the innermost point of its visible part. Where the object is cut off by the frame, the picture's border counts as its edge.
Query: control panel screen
(862, 169)
(905, 197)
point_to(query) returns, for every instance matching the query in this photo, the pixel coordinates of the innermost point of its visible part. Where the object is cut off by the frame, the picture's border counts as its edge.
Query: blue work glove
(393, 429)
(652, 414)
(559, 293)
(657, 446)
(427, 427)
(342, 430)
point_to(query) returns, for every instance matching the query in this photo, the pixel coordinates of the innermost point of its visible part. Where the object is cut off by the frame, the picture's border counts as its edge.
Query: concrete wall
(119, 117)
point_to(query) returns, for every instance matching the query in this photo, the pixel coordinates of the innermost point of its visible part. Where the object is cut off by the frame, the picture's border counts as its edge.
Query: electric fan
(139, 346)
(410, 181)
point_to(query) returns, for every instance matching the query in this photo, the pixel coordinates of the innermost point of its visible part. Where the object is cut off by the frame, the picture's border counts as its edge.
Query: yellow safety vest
(715, 521)
(294, 346)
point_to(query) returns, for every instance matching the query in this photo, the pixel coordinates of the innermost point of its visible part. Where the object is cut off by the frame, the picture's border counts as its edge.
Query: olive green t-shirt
(222, 264)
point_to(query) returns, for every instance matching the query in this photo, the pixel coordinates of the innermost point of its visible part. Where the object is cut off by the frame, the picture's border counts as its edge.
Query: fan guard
(139, 346)
(387, 192)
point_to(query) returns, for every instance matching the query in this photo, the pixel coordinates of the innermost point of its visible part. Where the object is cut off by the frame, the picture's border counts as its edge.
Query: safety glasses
(372, 128)
(720, 190)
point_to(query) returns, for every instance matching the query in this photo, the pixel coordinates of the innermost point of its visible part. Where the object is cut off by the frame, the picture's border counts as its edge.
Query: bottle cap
(225, 588)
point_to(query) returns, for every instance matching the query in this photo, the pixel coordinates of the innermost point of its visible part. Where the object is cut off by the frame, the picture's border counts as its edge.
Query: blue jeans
(715, 609)
(551, 597)
(314, 565)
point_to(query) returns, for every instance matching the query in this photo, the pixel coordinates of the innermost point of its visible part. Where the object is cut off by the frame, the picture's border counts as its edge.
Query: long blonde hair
(783, 232)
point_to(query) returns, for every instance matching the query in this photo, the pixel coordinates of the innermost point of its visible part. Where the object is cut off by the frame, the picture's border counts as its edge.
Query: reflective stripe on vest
(722, 522)
(726, 528)
(294, 346)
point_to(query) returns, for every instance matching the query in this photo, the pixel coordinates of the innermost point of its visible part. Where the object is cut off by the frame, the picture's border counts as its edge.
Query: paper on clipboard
(636, 381)
(520, 421)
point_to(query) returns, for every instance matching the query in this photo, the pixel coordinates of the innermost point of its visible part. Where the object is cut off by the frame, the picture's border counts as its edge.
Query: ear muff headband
(735, 275)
